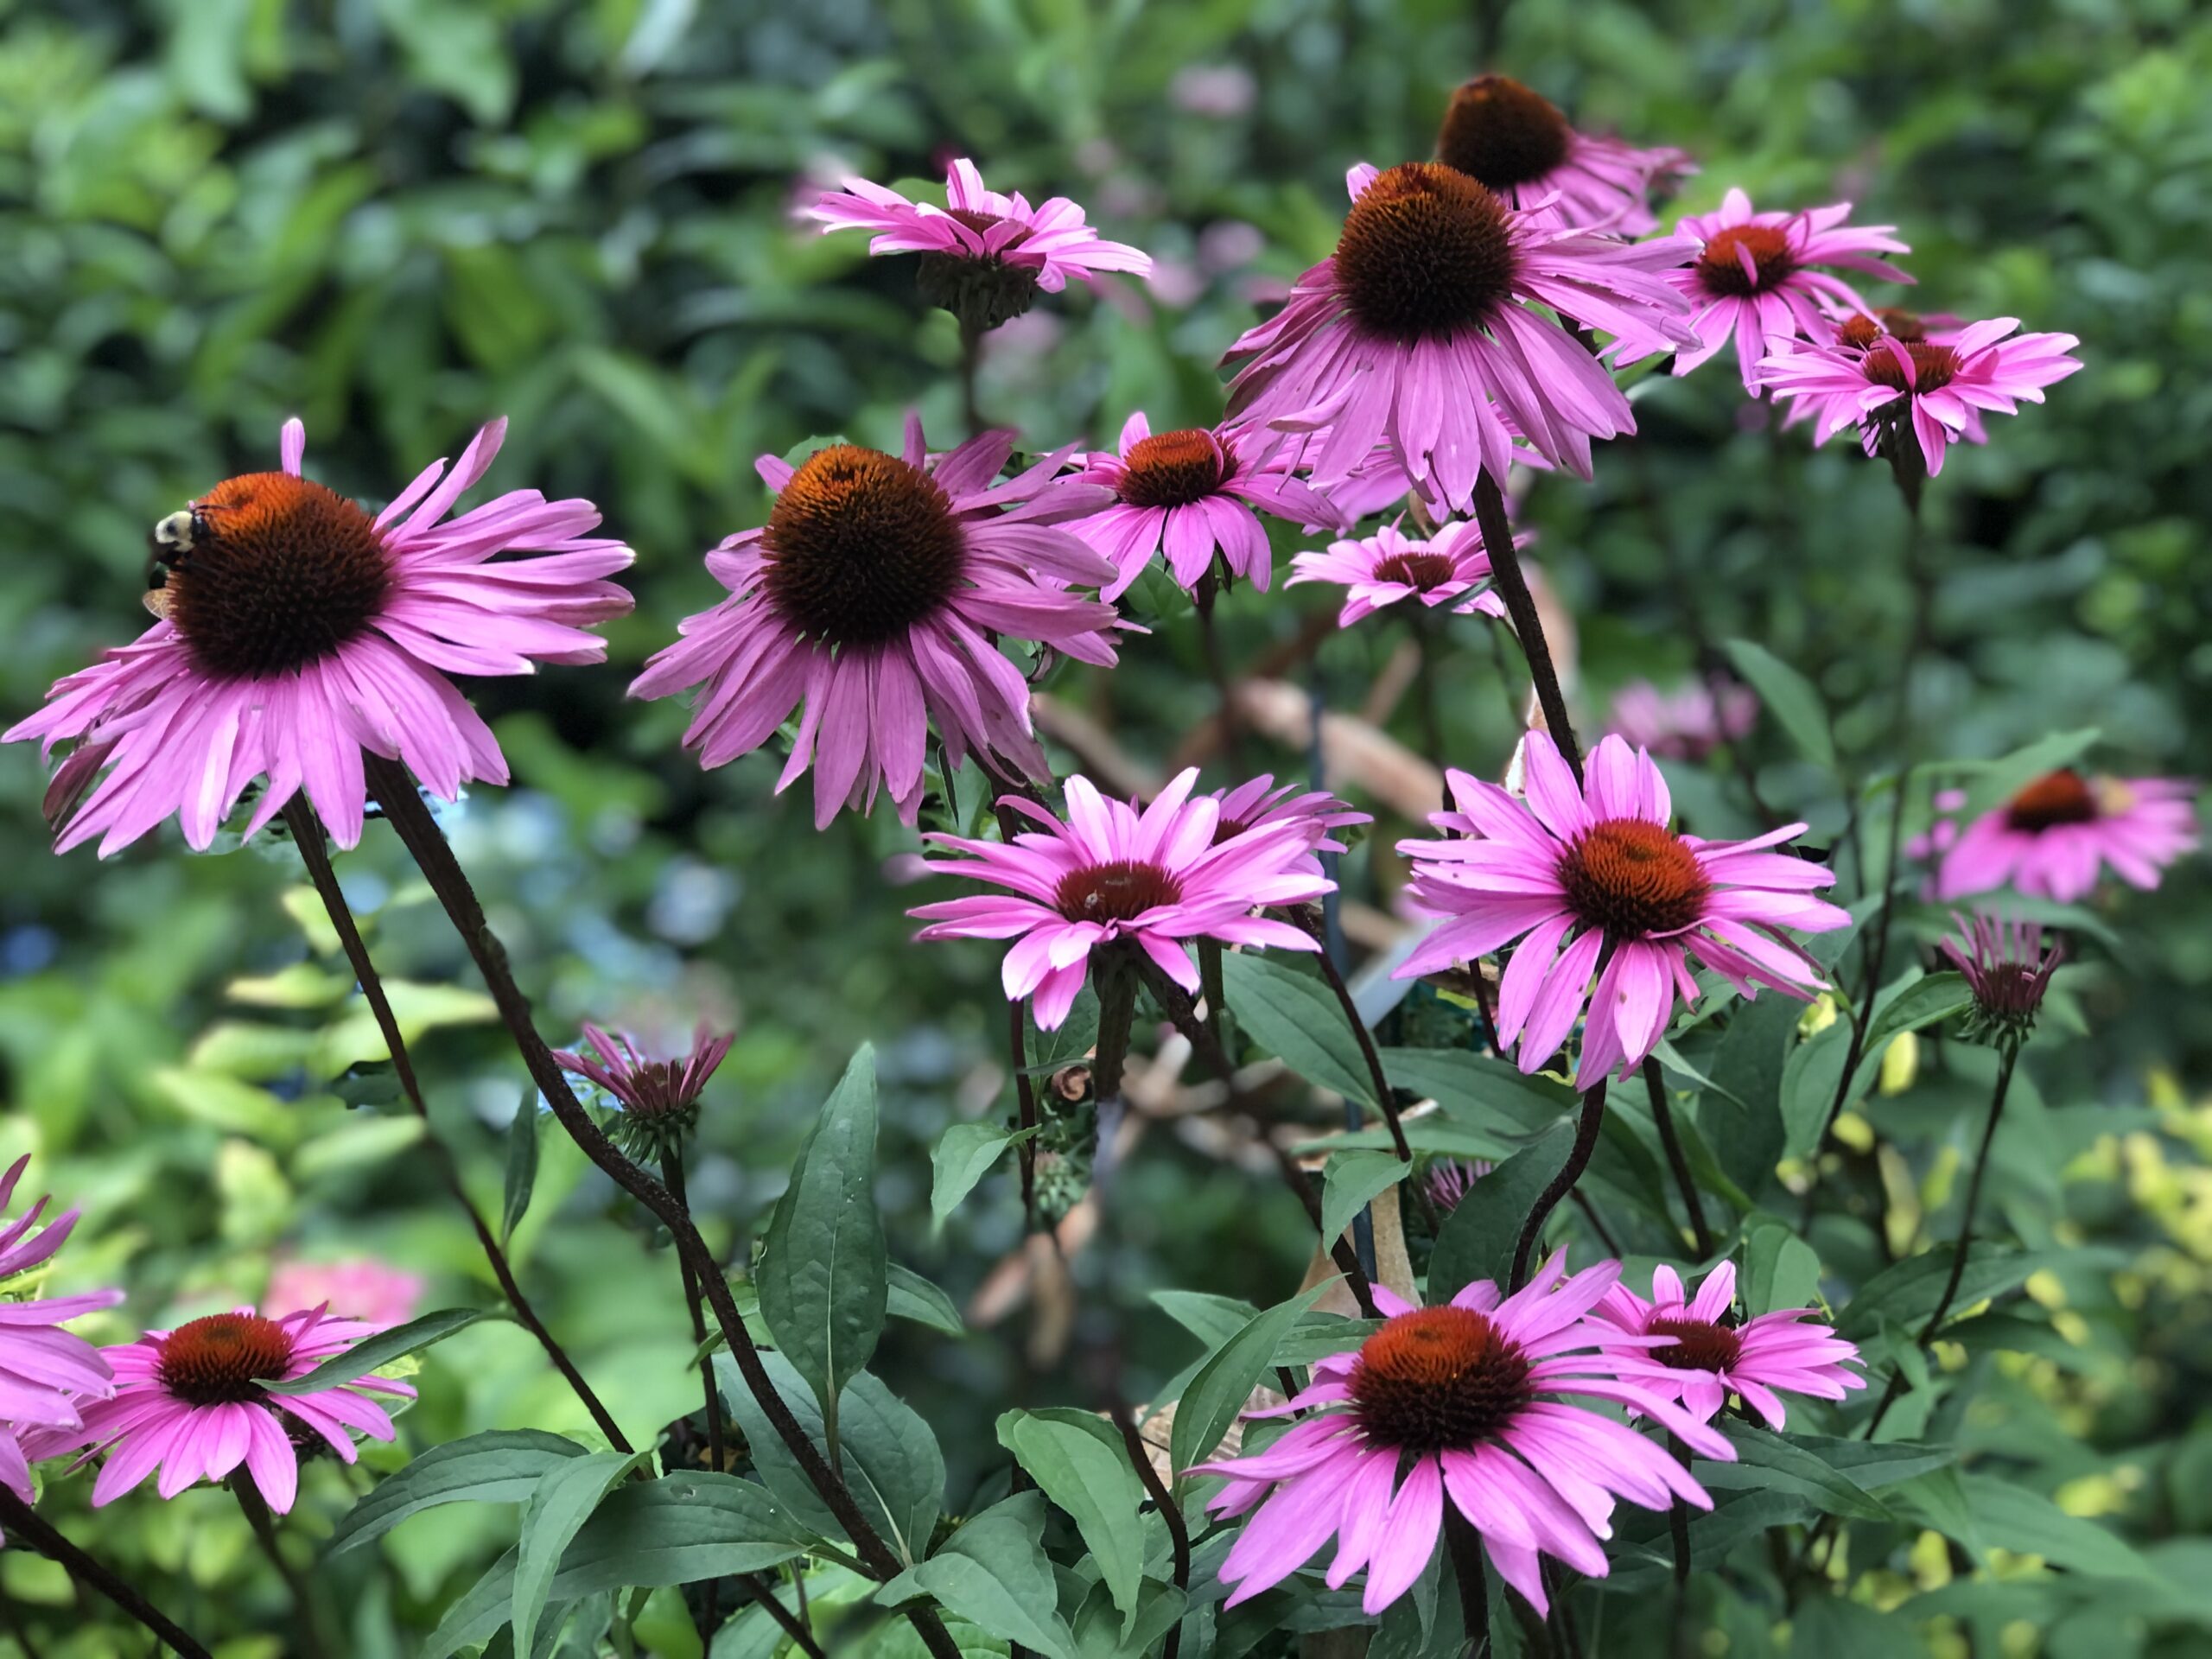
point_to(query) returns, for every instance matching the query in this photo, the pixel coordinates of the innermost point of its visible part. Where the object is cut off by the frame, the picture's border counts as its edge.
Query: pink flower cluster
(1493, 1404)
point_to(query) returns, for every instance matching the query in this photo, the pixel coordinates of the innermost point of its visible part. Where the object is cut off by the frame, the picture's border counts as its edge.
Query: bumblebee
(172, 543)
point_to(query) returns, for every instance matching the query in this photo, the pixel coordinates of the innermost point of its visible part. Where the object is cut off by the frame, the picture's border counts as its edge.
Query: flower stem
(971, 363)
(1528, 626)
(403, 805)
(19, 1520)
(1664, 1116)
(1376, 1080)
(1175, 1003)
(1428, 635)
(1587, 1124)
(308, 835)
(2007, 1055)
(1024, 1095)
(1923, 588)
(265, 1531)
(672, 1175)
(1678, 1532)
(1232, 742)
(1117, 997)
(1464, 1547)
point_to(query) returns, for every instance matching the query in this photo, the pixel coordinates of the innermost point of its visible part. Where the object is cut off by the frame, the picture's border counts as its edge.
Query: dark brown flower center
(1698, 1345)
(1860, 331)
(217, 1360)
(1425, 252)
(1501, 133)
(860, 547)
(1932, 366)
(1171, 469)
(1117, 891)
(2057, 798)
(1633, 880)
(1721, 267)
(1421, 570)
(1437, 1379)
(274, 573)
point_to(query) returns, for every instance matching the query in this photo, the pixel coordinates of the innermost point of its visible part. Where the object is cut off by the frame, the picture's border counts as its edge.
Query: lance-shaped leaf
(372, 1353)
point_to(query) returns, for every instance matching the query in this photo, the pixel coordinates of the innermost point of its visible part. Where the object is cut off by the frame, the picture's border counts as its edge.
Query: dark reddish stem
(404, 806)
(19, 1520)
(307, 834)
(1521, 608)
(1664, 1116)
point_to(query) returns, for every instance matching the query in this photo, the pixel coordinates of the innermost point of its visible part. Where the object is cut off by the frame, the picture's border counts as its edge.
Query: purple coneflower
(1263, 804)
(1450, 1180)
(1158, 877)
(1706, 1358)
(659, 1098)
(1417, 332)
(2005, 966)
(1469, 1401)
(984, 255)
(875, 594)
(1450, 568)
(296, 632)
(1685, 724)
(2055, 836)
(1597, 869)
(1515, 142)
(1195, 494)
(1758, 279)
(190, 1403)
(1942, 389)
(47, 1373)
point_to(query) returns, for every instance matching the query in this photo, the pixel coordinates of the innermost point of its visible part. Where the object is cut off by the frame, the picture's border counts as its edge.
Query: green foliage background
(399, 217)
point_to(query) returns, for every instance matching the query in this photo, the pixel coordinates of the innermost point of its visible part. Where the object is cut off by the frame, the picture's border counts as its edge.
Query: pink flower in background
(1452, 567)
(189, 1402)
(981, 230)
(1474, 1403)
(296, 632)
(47, 1375)
(2055, 838)
(1263, 805)
(1685, 724)
(356, 1288)
(1515, 142)
(1594, 868)
(1419, 333)
(1942, 389)
(874, 596)
(1159, 877)
(1194, 493)
(1758, 277)
(1706, 1357)
(1450, 1180)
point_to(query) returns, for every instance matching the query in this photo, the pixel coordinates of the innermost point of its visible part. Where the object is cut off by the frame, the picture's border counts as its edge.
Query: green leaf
(914, 1298)
(1995, 782)
(1875, 1465)
(963, 1156)
(564, 1500)
(1101, 1632)
(677, 1529)
(1780, 1268)
(891, 1459)
(1225, 1382)
(1739, 1117)
(1352, 1182)
(1212, 1320)
(1067, 1043)
(1478, 1238)
(500, 1466)
(374, 1353)
(994, 1574)
(1920, 1002)
(2011, 1517)
(1907, 1293)
(1788, 696)
(522, 1164)
(1832, 1627)
(1079, 1462)
(824, 1278)
(1767, 1461)
(1296, 1018)
(1809, 1077)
